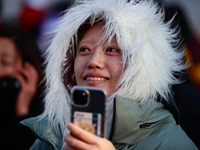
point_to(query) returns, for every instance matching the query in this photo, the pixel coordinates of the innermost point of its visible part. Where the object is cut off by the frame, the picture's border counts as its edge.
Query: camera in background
(9, 89)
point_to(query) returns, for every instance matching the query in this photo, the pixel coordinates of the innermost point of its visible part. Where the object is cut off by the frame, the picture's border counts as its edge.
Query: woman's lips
(94, 78)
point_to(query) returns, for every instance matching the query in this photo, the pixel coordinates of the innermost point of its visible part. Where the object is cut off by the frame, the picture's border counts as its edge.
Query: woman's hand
(28, 78)
(83, 140)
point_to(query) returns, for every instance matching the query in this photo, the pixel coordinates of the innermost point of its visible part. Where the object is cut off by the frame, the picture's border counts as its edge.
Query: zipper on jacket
(113, 121)
(144, 125)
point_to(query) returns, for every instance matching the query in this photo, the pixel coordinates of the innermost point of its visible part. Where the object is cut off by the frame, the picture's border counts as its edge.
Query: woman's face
(97, 64)
(10, 60)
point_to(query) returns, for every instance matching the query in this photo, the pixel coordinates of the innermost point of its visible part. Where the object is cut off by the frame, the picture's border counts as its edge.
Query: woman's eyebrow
(86, 41)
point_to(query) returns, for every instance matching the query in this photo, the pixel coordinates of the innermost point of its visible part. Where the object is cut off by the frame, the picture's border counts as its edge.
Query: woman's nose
(97, 59)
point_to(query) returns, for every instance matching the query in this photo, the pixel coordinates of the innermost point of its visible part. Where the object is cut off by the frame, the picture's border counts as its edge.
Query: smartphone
(88, 109)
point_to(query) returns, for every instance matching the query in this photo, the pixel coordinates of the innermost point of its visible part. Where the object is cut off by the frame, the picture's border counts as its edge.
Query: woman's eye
(84, 50)
(111, 49)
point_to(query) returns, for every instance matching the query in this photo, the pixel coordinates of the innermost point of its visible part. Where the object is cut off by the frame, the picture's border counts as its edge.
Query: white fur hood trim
(146, 47)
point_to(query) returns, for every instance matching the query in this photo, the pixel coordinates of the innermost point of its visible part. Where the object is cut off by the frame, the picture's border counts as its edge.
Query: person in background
(125, 48)
(187, 93)
(48, 24)
(21, 93)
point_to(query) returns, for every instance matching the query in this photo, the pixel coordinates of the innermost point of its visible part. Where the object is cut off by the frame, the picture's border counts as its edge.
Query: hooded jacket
(148, 51)
(135, 126)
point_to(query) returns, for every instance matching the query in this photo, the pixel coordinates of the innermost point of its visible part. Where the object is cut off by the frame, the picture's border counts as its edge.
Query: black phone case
(93, 112)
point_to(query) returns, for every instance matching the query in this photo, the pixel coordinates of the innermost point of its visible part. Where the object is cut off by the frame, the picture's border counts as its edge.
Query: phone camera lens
(80, 97)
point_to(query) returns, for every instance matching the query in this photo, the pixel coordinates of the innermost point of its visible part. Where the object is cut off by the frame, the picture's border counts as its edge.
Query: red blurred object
(30, 17)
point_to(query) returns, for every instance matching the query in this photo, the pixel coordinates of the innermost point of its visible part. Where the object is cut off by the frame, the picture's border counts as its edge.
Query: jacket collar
(134, 121)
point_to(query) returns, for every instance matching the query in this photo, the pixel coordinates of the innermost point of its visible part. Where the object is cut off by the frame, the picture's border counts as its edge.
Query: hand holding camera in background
(20, 91)
(12, 64)
(19, 88)
(28, 78)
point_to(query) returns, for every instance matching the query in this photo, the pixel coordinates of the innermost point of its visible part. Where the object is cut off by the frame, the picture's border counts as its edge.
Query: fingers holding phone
(88, 119)
(81, 139)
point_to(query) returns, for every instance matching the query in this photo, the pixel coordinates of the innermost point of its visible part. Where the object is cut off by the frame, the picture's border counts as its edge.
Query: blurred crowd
(25, 38)
(187, 94)
(23, 41)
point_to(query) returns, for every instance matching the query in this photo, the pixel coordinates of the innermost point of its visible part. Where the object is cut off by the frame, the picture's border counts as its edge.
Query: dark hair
(25, 44)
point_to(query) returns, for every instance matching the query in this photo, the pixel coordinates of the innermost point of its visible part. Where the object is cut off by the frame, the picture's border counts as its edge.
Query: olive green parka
(135, 126)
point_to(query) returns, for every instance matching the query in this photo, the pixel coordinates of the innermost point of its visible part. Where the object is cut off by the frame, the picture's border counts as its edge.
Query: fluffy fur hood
(149, 59)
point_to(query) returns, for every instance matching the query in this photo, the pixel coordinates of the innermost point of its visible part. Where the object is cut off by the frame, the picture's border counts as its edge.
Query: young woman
(126, 49)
